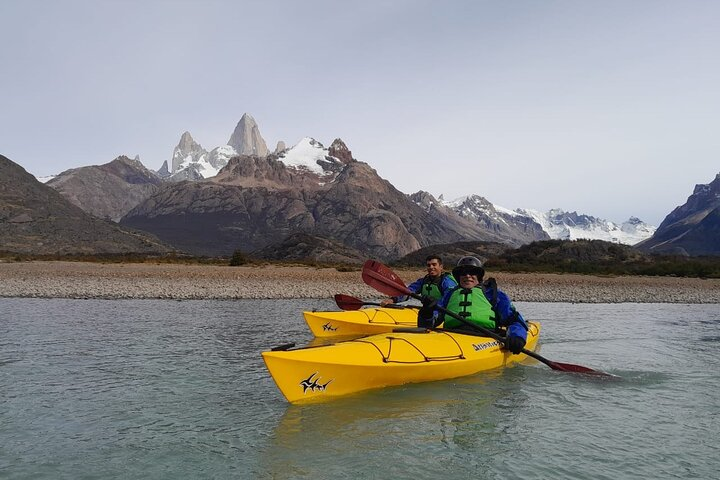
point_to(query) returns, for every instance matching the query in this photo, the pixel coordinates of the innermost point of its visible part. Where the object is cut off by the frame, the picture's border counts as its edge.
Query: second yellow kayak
(367, 321)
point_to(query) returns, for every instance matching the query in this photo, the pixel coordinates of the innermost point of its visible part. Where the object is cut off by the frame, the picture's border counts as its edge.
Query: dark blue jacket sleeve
(508, 316)
(448, 283)
(413, 287)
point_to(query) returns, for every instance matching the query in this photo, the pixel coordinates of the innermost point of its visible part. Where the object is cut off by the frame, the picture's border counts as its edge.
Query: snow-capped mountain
(563, 225)
(190, 161)
(309, 155)
(508, 225)
(556, 223)
(308, 164)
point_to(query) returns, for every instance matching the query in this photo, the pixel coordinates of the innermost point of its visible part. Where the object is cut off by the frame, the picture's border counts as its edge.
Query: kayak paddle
(384, 280)
(346, 302)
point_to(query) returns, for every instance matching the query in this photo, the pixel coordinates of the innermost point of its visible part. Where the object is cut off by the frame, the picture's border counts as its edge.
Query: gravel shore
(171, 281)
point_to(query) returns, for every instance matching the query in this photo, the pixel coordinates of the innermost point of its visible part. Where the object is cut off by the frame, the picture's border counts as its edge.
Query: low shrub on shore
(600, 258)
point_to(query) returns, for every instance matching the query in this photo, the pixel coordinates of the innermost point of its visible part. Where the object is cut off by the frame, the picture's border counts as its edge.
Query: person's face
(434, 268)
(468, 280)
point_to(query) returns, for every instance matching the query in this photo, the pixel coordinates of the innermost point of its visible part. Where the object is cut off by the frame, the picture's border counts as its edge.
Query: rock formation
(107, 191)
(186, 152)
(246, 138)
(692, 228)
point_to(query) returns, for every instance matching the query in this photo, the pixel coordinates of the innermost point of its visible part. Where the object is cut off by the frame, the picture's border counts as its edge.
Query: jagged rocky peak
(246, 139)
(127, 167)
(164, 171)
(559, 217)
(339, 150)
(187, 143)
(636, 226)
(190, 172)
(135, 162)
(281, 147)
(425, 200)
(692, 228)
(471, 206)
(187, 151)
(712, 188)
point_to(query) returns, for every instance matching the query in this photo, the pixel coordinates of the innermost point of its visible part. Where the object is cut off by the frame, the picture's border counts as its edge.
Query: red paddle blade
(384, 280)
(565, 367)
(569, 367)
(346, 302)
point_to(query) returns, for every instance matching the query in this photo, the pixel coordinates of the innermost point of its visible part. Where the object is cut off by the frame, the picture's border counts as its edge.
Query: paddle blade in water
(569, 367)
(346, 302)
(565, 367)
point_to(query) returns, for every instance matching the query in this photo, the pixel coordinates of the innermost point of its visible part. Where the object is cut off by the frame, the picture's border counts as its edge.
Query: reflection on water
(321, 439)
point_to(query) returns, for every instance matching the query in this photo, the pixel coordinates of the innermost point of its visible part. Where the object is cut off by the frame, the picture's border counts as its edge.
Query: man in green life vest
(433, 285)
(479, 303)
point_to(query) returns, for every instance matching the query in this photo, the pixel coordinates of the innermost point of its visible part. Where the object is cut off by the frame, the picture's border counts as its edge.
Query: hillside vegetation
(571, 256)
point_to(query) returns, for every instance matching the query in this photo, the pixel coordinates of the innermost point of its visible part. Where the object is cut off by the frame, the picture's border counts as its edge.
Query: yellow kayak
(367, 321)
(387, 359)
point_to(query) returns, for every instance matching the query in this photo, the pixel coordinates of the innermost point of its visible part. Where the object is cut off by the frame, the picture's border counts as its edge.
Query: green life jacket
(472, 305)
(431, 287)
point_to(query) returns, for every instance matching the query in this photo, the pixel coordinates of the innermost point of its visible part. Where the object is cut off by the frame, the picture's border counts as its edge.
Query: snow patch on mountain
(558, 224)
(563, 225)
(472, 206)
(305, 156)
(202, 165)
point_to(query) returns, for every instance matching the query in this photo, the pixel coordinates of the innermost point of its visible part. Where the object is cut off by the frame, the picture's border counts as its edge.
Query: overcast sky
(610, 108)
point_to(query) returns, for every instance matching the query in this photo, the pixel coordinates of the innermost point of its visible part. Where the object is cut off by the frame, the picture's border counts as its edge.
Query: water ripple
(164, 389)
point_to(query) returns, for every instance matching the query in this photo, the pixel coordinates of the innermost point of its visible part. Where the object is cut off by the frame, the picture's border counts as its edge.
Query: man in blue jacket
(479, 303)
(433, 285)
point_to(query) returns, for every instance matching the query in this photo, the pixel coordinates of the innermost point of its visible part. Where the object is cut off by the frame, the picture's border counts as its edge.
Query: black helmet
(469, 265)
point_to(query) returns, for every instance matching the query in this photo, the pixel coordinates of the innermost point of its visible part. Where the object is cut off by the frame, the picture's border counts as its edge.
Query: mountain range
(190, 161)
(37, 219)
(309, 200)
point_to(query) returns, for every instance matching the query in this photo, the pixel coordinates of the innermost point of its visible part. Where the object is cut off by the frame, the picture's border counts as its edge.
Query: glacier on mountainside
(558, 224)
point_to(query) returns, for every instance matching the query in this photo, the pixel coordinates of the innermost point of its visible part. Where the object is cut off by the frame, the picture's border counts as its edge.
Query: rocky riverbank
(172, 281)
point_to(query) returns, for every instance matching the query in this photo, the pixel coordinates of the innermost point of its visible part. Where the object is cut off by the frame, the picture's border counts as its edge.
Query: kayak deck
(384, 360)
(366, 321)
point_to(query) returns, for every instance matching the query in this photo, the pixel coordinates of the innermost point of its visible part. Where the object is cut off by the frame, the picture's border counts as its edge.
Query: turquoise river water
(98, 389)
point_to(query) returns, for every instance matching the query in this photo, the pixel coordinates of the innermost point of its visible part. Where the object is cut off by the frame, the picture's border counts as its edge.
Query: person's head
(434, 265)
(468, 272)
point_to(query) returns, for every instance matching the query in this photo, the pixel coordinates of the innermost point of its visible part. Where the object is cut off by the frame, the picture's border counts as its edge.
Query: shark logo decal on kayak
(312, 384)
(483, 346)
(329, 328)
